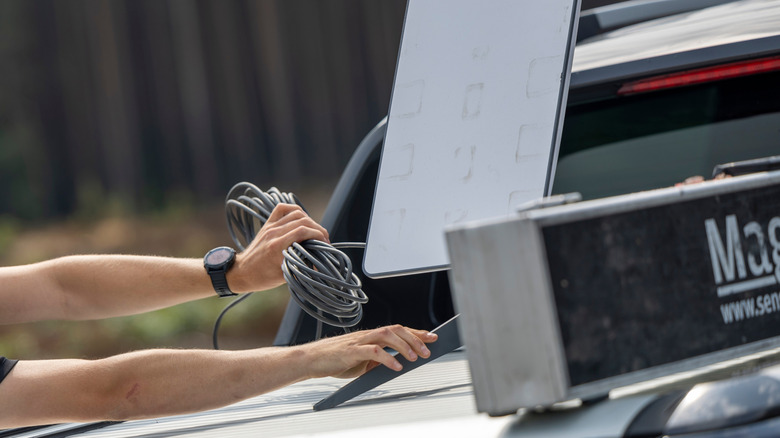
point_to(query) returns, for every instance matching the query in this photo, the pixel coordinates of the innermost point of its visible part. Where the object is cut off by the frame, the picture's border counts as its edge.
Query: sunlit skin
(159, 382)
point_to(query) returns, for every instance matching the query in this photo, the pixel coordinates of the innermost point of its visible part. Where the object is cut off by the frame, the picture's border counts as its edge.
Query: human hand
(353, 354)
(690, 180)
(696, 179)
(258, 267)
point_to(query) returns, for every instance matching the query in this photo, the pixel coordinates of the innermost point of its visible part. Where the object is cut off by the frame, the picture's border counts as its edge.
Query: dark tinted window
(626, 144)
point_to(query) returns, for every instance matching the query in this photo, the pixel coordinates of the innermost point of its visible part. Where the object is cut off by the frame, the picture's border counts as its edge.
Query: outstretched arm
(156, 383)
(101, 286)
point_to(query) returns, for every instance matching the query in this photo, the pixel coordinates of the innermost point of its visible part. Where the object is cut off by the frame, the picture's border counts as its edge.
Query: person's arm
(101, 286)
(156, 383)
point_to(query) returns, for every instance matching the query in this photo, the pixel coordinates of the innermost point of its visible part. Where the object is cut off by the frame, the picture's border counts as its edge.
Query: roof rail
(605, 18)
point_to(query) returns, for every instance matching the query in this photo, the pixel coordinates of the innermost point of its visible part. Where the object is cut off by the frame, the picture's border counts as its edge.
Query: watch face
(218, 256)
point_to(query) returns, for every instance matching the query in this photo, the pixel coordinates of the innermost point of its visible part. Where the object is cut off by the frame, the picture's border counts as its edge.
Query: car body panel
(717, 26)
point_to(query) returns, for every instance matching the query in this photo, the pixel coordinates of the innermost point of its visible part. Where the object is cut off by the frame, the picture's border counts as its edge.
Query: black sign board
(662, 284)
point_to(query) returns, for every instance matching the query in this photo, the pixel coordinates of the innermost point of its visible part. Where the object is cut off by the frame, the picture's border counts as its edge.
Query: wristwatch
(217, 262)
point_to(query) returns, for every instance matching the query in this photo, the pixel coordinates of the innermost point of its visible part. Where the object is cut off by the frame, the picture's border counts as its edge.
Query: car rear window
(624, 144)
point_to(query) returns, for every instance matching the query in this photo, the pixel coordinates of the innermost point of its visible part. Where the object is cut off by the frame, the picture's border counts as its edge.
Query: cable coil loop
(320, 277)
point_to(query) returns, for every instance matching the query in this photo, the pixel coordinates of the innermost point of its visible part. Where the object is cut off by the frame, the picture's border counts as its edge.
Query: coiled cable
(319, 276)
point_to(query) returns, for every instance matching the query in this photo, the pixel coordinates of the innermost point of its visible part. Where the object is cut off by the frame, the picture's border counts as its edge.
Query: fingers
(282, 237)
(690, 180)
(410, 343)
(286, 225)
(378, 354)
(281, 210)
(353, 354)
(287, 217)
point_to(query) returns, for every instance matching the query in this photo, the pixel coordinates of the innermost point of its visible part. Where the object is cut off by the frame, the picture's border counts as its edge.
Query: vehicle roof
(440, 390)
(434, 400)
(438, 400)
(716, 34)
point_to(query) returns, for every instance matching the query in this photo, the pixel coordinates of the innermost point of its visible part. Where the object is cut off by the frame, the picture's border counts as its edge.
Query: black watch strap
(219, 281)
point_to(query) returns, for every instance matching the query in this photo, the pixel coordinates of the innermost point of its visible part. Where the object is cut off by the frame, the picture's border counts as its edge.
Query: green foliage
(9, 228)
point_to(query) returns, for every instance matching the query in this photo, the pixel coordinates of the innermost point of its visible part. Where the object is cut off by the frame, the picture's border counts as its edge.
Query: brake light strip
(701, 75)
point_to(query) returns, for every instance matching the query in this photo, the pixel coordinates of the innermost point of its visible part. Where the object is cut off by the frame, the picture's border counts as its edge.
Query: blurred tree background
(124, 123)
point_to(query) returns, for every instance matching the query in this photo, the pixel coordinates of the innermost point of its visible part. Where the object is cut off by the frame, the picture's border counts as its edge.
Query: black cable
(319, 276)
(218, 322)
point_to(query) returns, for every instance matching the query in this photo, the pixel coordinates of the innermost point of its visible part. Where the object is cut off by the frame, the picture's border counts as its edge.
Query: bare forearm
(146, 384)
(98, 286)
(169, 382)
(102, 286)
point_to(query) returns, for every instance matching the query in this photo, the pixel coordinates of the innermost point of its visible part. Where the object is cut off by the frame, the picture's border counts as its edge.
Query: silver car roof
(721, 33)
